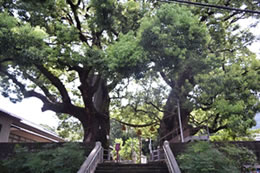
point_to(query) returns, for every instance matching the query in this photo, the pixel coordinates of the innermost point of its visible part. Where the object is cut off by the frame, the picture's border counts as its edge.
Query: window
(0, 127)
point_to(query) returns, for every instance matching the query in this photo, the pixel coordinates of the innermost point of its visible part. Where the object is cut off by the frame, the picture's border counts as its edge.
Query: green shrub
(239, 155)
(3, 169)
(65, 159)
(203, 157)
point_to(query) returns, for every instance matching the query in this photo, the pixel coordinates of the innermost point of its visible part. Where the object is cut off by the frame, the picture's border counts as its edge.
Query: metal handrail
(95, 157)
(170, 159)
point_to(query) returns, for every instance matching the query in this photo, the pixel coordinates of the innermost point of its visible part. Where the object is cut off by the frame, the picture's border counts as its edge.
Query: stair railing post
(170, 159)
(108, 155)
(95, 157)
(158, 152)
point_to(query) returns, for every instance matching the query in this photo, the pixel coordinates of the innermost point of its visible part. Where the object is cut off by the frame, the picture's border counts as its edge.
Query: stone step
(131, 171)
(158, 163)
(132, 166)
(152, 167)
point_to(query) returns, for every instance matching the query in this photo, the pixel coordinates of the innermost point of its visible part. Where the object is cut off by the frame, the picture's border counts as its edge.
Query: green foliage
(228, 135)
(174, 40)
(116, 132)
(130, 116)
(138, 105)
(231, 94)
(66, 159)
(128, 149)
(126, 56)
(69, 128)
(3, 169)
(239, 155)
(203, 157)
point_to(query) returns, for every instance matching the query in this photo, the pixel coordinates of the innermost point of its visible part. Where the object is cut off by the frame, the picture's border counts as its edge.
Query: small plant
(65, 159)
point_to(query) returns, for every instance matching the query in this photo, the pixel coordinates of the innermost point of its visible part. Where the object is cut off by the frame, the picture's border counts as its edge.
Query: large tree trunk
(169, 126)
(97, 125)
(96, 128)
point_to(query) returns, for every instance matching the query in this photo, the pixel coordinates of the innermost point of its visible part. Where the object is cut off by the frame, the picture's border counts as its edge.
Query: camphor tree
(56, 51)
(176, 42)
(202, 57)
(208, 67)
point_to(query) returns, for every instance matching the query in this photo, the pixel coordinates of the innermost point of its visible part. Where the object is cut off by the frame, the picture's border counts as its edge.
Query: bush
(203, 157)
(65, 159)
(3, 169)
(239, 155)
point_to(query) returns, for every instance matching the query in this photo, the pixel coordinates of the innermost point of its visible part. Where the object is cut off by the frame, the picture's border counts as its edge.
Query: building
(16, 129)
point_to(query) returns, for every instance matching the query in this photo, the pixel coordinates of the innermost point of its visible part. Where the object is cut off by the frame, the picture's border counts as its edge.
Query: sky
(30, 108)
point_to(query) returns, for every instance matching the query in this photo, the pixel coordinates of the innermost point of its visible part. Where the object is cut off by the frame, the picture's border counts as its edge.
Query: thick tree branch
(65, 109)
(43, 88)
(23, 89)
(76, 68)
(135, 109)
(78, 3)
(85, 88)
(47, 105)
(56, 82)
(156, 107)
(230, 16)
(78, 23)
(74, 10)
(237, 18)
(169, 82)
(211, 130)
(114, 83)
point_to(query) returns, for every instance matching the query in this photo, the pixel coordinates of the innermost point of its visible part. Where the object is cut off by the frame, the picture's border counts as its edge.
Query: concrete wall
(5, 130)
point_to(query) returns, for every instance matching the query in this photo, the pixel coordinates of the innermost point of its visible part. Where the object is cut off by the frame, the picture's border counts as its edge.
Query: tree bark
(169, 126)
(96, 128)
(96, 125)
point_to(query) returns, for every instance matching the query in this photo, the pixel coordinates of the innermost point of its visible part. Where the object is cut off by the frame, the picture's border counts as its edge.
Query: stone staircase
(151, 167)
